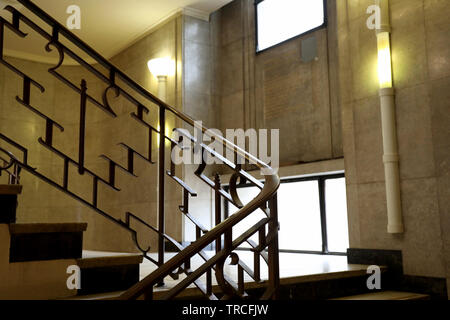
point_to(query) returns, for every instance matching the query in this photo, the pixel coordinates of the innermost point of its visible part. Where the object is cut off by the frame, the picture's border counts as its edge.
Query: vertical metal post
(26, 90)
(82, 127)
(274, 262)
(150, 144)
(130, 161)
(162, 157)
(218, 209)
(66, 174)
(208, 282)
(2, 35)
(49, 132)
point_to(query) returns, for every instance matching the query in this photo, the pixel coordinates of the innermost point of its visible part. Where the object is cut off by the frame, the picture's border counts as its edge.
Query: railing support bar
(82, 127)
(274, 266)
(218, 209)
(162, 159)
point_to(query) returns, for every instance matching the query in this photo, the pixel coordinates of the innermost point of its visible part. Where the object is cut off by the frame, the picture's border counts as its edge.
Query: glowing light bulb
(384, 60)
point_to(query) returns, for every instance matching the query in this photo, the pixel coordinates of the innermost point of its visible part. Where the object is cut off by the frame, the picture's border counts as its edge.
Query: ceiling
(109, 26)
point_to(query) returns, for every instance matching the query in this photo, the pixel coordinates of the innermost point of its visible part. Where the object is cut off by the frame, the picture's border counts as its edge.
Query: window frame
(324, 25)
(321, 179)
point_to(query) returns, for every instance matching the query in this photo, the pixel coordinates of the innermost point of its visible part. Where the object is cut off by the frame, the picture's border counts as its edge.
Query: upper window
(280, 20)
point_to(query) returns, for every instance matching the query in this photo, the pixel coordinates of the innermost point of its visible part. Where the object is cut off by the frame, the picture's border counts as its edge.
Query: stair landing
(294, 269)
(10, 189)
(387, 295)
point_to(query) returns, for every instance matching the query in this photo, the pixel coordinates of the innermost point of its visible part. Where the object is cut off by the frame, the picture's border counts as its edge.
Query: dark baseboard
(309, 291)
(394, 279)
(8, 205)
(435, 287)
(390, 258)
(45, 246)
(325, 289)
(108, 278)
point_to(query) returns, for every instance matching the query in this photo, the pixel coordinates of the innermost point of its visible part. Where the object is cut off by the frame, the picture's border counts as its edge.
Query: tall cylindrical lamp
(388, 123)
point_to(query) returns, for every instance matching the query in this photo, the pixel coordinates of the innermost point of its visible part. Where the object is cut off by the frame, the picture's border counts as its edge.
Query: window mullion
(323, 215)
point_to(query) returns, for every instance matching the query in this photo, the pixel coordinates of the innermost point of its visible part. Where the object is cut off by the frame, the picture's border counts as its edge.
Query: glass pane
(336, 207)
(246, 195)
(279, 20)
(299, 216)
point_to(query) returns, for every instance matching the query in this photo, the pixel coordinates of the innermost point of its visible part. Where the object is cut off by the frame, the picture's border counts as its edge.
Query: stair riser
(108, 278)
(8, 205)
(45, 246)
(315, 290)
(326, 289)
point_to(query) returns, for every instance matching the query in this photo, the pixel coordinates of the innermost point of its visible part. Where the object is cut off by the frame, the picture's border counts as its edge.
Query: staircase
(38, 255)
(60, 245)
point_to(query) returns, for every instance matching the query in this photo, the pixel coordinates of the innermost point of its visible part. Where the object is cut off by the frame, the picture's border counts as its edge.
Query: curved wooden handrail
(270, 188)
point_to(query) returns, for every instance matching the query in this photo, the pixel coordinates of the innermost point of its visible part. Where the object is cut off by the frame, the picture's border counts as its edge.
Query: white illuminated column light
(388, 124)
(384, 60)
(161, 68)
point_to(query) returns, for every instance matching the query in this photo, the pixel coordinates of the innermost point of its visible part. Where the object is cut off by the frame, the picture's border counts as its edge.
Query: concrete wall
(275, 89)
(140, 195)
(25, 127)
(40, 202)
(198, 102)
(421, 70)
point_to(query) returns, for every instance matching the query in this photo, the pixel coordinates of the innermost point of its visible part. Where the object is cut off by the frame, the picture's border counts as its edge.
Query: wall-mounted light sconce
(161, 68)
(388, 123)
(384, 60)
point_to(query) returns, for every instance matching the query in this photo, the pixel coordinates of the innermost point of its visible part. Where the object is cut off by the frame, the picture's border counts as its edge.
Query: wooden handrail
(224, 228)
(270, 188)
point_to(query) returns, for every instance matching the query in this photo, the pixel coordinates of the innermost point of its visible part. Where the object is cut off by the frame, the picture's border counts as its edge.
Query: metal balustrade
(221, 234)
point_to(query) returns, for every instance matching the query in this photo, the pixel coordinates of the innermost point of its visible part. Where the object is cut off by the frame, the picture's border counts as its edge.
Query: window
(312, 212)
(280, 20)
(336, 215)
(299, 216)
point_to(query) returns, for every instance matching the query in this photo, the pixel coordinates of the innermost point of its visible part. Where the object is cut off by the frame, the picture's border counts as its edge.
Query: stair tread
(387, 295)
(10, 189)
(16, 228)
(352, 270)
(97, 296)
(92, 259)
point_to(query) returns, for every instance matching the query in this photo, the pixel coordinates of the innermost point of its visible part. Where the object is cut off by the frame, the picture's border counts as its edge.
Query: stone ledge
(387, 295)
(20, 228)
(10, 189)
(93, 259)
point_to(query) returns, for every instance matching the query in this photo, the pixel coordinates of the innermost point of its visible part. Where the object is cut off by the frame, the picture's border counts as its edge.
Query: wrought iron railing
(10, 166)
(221, 235)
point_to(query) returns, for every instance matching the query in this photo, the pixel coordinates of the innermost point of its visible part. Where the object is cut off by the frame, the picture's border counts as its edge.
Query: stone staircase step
(98, 296)
(10, 189)
(387, 295)
(46, 241)
(316, 286)
(108, 271)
